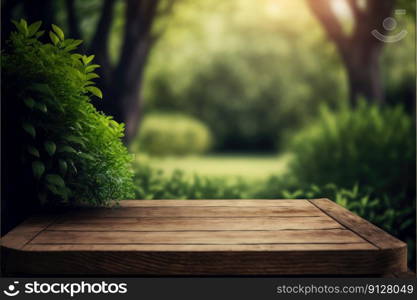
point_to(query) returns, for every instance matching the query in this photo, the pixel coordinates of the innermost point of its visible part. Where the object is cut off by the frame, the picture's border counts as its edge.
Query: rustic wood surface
(203, 237)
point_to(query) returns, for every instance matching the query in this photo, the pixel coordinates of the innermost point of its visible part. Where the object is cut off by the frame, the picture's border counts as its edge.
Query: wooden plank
(167, 237)
(191, 224)
(200, 248)
(26, 231)
(334, 236)
(209, 211)
(232, 203)
(363, 228)
(304, 262)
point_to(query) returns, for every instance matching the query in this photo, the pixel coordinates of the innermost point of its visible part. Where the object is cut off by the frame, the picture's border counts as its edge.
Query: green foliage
(369, 146)
(150, 183)
(257, 80)
(243, 110)
(172, 134)
(75, 152)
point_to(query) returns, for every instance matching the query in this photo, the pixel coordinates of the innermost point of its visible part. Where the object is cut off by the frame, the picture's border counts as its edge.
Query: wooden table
(203, 237)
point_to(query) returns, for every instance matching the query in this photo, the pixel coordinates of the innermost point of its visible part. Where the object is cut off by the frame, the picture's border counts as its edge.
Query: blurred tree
(359, 50)
(246, 70)
(122, 81)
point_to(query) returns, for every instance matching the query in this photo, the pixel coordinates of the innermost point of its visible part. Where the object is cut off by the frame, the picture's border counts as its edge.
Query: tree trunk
(362, 68)
(132, 112)
(121, 84)
(73, 23)
(360, 50)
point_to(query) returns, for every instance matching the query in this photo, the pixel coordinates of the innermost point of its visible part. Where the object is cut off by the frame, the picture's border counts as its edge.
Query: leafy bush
(243, 110)
(370, 146)
(257, 80)
(151, 183)
(74, 152)
(172, 134)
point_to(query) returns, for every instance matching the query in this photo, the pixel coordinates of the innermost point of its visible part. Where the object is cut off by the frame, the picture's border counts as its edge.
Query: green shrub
(151, 183)
(369, 146)
(244, 110)
(74, 152)
(172, 134)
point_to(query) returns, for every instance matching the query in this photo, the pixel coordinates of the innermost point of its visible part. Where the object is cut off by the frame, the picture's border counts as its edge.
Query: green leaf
(78, 125)
(34, 27)
(54, 38)
(95, 91)
(73, 44)
(70, 48)
(29, 102)
(76, 43)
(32, 150)
(38, 168)
(73, 167)
(58, 32)
(86, 156)
(41, 106)
(74, 139)
(42, 88)
(87, 59)
(91, 68)
(92, 76)
(39, 33)
(50, 147)
(63, 166)
(24, 26)
(55, 179)
(77, 56)
(68, 149)
(80, 74)
(21, 26)
(29, 129)
(59, 191)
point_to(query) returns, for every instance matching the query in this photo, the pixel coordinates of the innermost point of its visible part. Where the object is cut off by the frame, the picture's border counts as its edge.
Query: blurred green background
(258, 99)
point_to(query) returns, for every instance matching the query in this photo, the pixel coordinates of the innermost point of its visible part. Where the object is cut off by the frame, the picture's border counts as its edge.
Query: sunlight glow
(272, 8)
(341, 8)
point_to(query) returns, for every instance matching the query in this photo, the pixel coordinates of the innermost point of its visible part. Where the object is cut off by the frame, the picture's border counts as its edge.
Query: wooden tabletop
(203, 237)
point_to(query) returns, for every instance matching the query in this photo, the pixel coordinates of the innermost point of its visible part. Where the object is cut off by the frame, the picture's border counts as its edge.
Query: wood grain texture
(193, 224)
(203, 237)
(230, 202)
(363, 228)
(197, 248)
(196, 211)
(335, 236)
(26, 231)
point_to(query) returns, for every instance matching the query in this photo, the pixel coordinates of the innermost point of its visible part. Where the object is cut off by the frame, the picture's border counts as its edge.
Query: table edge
(365, 229)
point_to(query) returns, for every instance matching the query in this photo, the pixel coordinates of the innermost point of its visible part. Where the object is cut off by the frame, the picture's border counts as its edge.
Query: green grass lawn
(225, 165)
